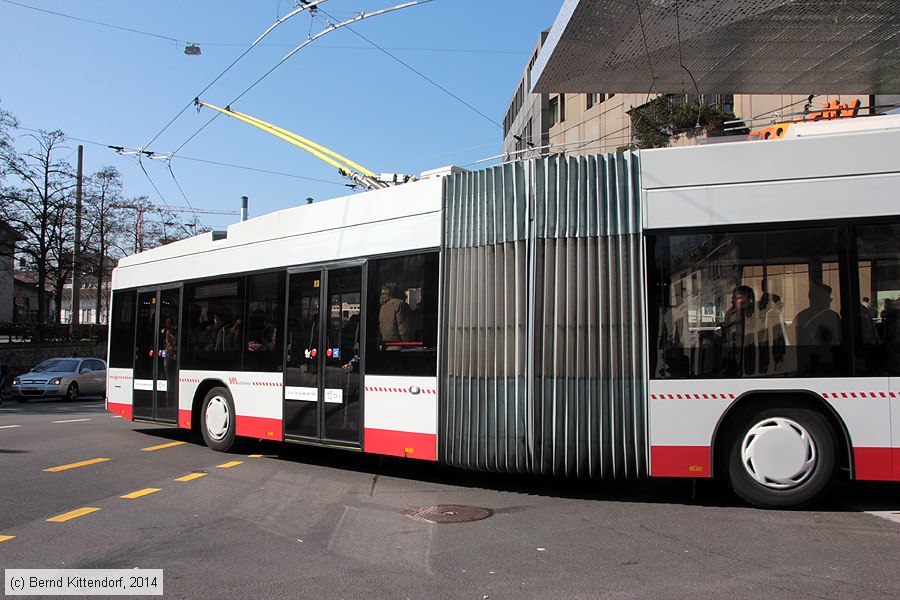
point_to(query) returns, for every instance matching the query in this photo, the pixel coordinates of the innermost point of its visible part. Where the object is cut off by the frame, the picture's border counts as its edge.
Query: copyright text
(84, 582)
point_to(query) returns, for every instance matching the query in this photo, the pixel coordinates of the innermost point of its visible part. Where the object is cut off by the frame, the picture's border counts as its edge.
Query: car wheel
(782, 457)
(217, 420)
(72, 392)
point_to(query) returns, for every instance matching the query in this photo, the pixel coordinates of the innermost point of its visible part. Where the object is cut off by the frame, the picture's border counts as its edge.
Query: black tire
(782, 457)
(72, 392)
(217, 420)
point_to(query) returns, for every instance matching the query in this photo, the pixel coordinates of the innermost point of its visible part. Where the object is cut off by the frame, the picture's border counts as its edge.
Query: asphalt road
(288, 521)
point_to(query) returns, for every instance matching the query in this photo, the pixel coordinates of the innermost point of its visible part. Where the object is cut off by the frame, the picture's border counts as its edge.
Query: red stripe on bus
(876, 464)
(679, 461)
(401, 443)
(184, 418)
(258, 427)
(369, 388)
(119, 409)
(708, 395)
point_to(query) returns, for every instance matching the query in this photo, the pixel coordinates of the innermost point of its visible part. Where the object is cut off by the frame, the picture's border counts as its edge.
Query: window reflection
(748, 305)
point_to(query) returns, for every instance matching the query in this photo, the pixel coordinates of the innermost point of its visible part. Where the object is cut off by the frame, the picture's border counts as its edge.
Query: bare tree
(106, 231)
(61, 258)
(7, 152)
(36, 206)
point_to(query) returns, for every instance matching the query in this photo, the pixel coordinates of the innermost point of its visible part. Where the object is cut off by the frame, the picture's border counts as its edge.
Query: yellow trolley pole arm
(298, 141)
(305, 141)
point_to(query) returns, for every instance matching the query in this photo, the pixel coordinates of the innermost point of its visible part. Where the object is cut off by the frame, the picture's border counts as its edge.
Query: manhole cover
(448, 513)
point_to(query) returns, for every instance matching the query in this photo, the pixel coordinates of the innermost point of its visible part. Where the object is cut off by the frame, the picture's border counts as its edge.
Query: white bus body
(563, 316)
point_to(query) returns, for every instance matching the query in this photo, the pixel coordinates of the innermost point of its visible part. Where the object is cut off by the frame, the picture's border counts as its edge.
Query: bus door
(156, 356)
(322, 370)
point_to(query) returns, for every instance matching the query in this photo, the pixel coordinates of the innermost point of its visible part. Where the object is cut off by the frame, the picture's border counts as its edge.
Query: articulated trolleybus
(729, 310)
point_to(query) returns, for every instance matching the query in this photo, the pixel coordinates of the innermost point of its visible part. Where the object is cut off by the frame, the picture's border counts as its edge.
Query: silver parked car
(61, 377)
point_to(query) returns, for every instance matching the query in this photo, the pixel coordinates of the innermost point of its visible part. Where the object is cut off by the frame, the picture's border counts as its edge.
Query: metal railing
(16, 333)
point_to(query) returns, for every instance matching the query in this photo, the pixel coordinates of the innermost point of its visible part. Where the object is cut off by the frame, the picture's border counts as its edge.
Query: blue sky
(106, 86)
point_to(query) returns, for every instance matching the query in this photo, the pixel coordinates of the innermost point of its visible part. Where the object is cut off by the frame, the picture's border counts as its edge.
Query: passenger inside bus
(266, 341)
(394, 317)
(818, 332)
(738, 330)
(224, 335)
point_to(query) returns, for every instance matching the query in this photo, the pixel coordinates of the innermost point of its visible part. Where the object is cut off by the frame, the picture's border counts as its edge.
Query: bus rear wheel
(782, 457)
(217, 420)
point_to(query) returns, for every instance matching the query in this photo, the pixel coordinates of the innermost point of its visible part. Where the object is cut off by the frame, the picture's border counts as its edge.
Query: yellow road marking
(83, 463)
(6, 538)
(228, 465)
(255, 456)
(140, 493)
(190, 477)
(161, 446)
(72, 515)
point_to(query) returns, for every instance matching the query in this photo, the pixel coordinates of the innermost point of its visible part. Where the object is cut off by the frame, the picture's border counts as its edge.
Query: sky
(383, 108)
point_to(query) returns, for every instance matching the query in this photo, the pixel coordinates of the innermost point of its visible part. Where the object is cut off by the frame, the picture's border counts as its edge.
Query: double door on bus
(322, 401)
(155, 396)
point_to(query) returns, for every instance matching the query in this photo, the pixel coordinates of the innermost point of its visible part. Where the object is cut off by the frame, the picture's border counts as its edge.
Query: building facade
(582, 124)
(8, 239)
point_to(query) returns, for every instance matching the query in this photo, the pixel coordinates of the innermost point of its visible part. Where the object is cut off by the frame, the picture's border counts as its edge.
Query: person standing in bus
(890, 321)
(772, 335)
(818, 331)
(739, 330)
(170, 344)
(394, 317)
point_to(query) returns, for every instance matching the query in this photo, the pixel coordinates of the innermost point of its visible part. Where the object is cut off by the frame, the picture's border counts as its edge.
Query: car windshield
(64, 365)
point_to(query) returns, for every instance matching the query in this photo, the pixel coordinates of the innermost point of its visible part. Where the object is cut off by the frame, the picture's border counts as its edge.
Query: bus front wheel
(782, 457)
(217, 420)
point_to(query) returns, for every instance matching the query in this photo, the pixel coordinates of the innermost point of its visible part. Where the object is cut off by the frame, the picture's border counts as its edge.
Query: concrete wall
(21, 357)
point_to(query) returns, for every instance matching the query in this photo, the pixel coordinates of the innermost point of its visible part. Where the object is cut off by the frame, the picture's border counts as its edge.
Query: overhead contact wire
(420, 74)
(243, 54)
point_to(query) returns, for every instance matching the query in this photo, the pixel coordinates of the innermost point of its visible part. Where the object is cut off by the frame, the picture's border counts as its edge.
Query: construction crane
(141, 208)
(355, 172)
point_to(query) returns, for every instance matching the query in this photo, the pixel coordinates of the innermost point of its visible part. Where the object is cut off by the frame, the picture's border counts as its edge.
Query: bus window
(764, 304)
(263, 345)
(877, 348)
(121, 339)
(402, 315)
(212, 332)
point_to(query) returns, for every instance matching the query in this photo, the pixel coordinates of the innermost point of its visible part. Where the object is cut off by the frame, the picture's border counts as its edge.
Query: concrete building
(600, 122)
(87, 302)
(762, 59)
(8, 239)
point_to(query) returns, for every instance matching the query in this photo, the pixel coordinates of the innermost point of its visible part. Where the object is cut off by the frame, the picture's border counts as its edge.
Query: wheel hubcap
(779, 453)
(217, 418)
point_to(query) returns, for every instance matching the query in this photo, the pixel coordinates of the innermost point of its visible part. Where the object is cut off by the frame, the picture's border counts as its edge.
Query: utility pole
(76, 249)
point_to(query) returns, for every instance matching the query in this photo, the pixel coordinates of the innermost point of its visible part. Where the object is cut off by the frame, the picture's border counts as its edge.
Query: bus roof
(819, 149)
(404, 217)
(844, 172)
